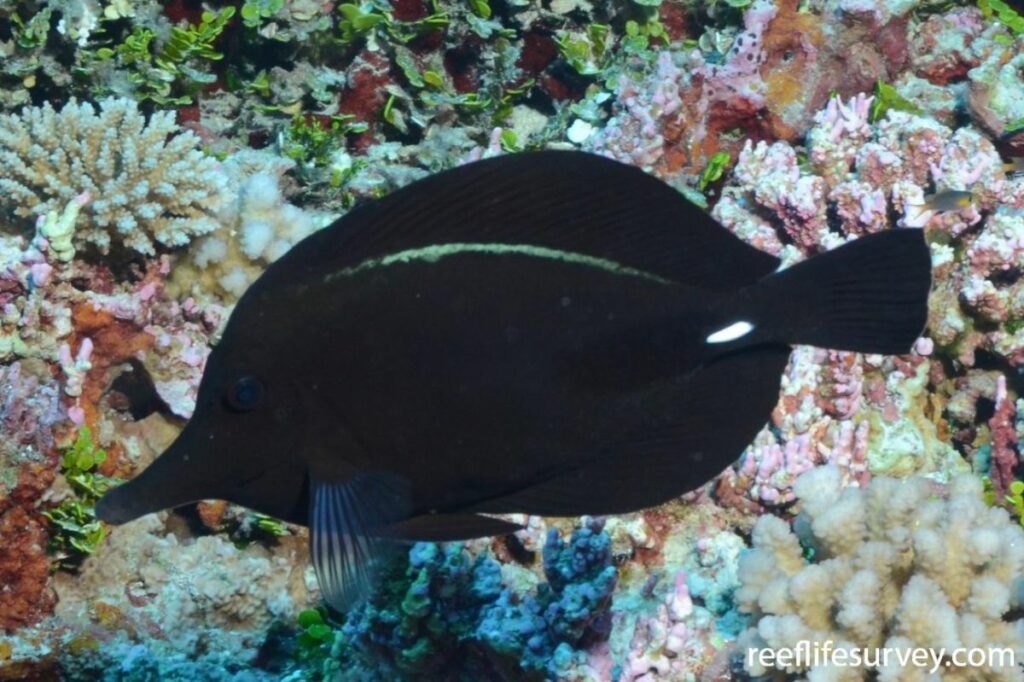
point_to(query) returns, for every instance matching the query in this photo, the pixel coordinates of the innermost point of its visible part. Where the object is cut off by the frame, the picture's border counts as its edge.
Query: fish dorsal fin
(345, 519)
(447, 527)
(712, 429)
(562, 200)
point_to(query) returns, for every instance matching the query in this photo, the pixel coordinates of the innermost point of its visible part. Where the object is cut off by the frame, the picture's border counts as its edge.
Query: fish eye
(244, 395)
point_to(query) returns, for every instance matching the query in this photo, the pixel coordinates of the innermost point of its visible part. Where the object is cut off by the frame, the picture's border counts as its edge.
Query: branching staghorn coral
(894, 565)
(147, 183)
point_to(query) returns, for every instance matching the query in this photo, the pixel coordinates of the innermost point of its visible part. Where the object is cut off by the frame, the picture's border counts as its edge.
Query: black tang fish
(551, 333)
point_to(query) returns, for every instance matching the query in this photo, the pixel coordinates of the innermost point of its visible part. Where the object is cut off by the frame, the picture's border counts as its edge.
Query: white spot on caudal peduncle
(730, 333)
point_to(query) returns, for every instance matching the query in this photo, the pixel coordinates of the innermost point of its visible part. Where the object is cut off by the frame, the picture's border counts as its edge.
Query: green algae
(75, 532)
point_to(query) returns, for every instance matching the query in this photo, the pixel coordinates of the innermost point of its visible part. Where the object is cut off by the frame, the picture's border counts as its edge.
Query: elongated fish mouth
(111, 508)
(435, 252)
(136, 498)
(170, 481)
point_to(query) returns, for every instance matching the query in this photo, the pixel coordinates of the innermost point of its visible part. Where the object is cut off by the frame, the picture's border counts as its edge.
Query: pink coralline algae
(672, 620)
(842, 384)
(182, 343)
(636, 134)
(134, 321)
(738, 76)
(818, 421)
(67, 329)
(30, 411)
(978, 298)
(871, 414)
(1004, 440)
(860, 172)
(838, 134)
(889, 169)
(30, 408)
(946, 46)
(772, 174)
(662, 646)
(774, 80)
(994, 99)
(773, 468)
(672, 117)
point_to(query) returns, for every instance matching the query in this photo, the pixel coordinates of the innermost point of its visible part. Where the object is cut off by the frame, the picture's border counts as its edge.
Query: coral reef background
(156, 157)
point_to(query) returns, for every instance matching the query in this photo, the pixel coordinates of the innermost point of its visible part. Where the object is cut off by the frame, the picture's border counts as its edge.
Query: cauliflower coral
(140, 181)
(896, 565)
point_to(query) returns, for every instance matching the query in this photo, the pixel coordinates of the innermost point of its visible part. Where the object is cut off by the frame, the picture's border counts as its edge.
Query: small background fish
(948, 200)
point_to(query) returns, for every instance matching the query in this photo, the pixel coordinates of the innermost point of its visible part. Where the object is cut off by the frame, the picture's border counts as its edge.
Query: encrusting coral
(898, 564)
(30, 408)
(201, 597)
(142, 182)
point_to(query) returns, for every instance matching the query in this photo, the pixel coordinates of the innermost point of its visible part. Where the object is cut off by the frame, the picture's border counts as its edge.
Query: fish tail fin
(867, 296)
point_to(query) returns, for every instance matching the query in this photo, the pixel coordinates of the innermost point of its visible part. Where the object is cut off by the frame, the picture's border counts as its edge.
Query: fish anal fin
(345, 519)
(708, 430)
(605, 486)
(447, 527)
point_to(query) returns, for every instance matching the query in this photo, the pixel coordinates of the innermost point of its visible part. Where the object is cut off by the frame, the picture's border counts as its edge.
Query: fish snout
(111, 508)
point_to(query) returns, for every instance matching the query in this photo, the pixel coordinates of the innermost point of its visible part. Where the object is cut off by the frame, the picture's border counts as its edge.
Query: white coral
(256, 228)
(148, 180)
(894, 565)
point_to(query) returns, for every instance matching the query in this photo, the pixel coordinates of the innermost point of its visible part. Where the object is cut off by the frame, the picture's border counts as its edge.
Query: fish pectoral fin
(344, 542)
(447, 527)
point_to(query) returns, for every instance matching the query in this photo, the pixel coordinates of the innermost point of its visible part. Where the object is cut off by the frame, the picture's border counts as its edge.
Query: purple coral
(544, 631)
